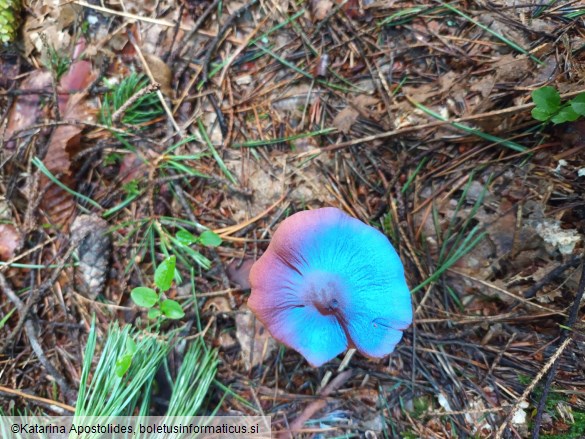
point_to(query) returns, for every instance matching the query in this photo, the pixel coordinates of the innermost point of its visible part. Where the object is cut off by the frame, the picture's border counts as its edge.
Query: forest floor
(129, 128)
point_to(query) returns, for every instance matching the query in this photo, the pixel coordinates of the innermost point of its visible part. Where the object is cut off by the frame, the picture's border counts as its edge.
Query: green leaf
(123, 364)
(143, 296)
(210, 239)
(130, 346)
(172, 309)
(164, 274)
(540, 114)
(185, 237)
(567, 114)
(547, 99)
(153, 313)
(578, 104)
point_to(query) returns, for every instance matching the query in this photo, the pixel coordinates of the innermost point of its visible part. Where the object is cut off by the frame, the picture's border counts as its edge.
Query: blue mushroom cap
(329, 282)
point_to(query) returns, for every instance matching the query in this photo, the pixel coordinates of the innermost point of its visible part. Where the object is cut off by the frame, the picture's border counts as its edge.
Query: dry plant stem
(215, 42)
(550, 276)
(198, 24)
(225, 231)
(154, 83)
(410, 129)
(56, 406)
(315, 406)
(37, 293)
(241, 48)
(31, 332)
(566, 335)
(344, 363)
(135, 17)
(531, 386)
(507, 293)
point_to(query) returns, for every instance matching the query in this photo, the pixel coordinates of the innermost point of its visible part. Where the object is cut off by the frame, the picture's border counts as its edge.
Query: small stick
(215, 42)
(340, 369)
(567, 335)
(531, 386)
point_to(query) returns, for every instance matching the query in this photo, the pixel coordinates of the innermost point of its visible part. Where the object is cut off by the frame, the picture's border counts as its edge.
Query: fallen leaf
(255, 341)
(26, 108)
(485, 85)
(320, 9)
(65, 140)
(363, 100)
(161, 73)
(345, 119)
(508, 68)
(10, 240)
(352, 8)
(240, 273)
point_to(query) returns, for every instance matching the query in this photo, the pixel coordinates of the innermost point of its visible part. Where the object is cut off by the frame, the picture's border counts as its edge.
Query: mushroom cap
(328, 282)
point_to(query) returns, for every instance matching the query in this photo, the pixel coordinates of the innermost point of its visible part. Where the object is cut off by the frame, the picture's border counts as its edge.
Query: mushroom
(329, 282)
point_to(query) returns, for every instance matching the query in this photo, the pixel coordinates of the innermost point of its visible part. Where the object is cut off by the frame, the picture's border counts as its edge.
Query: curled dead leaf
(161, 73)
(10, 241)
(345, 119)
(320, 9)
(240, 273)
(26, 108)
(65, 142)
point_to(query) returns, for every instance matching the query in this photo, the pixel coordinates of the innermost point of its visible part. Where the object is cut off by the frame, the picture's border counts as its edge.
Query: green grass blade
(216, 156)
(497, 140)
(39, 164)
(492, 32)
(256, 143)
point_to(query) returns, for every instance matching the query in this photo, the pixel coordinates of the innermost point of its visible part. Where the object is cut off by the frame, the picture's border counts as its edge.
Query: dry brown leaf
(255, 341)
(10, 241)
(485, 85)
(345, 119)
(508, 68)
(161, 73)
(26, 108)
(240, 273)
(320, 9)
(64, 142)
(48, 18)
(365, 100)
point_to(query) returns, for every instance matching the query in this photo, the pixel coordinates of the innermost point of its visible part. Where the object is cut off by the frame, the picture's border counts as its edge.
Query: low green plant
(158, 305)
(550, 108)
(144, 109)
(57, 61)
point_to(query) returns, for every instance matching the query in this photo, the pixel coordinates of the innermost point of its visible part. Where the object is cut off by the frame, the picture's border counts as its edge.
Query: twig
(531, 386)
(215, 42)
(567, 336)
(52, 405)
(411, 129)
(37, 293)
(552, 275)
(198, 24)
(161, 98)
(31, 333)
(315, 406)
